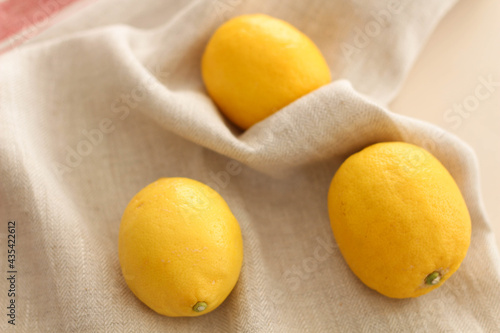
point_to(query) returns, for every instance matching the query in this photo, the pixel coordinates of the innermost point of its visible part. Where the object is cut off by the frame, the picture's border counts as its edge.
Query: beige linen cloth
(111, 99)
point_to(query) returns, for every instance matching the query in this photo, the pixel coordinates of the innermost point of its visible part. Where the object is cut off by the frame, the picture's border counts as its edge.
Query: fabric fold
(111, 99)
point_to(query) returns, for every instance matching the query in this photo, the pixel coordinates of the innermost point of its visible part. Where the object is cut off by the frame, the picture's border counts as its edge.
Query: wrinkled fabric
(111, 99)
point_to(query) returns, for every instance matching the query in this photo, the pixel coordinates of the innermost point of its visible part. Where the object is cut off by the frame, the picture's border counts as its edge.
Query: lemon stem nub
(200, 306)
(433, 278)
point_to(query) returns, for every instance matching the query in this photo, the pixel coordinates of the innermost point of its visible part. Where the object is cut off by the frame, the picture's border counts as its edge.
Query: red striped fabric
(23, 19)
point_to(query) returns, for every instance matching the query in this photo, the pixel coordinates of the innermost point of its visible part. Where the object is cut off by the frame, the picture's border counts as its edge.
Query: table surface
(463, 50)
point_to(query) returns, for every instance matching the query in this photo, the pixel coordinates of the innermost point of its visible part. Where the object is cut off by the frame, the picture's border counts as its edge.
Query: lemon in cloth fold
(256, 64)
(180, 247)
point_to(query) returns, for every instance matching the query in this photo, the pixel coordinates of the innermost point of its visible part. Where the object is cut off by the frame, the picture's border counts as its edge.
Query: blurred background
(463, 53)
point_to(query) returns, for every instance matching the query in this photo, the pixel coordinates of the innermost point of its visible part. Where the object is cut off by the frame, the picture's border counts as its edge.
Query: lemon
(399, 219)
(180, 247)
(256, 64)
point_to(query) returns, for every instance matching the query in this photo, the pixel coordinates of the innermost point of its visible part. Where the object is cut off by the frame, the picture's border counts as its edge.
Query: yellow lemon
(399, 219)
(255, 64)
(180, 247)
